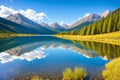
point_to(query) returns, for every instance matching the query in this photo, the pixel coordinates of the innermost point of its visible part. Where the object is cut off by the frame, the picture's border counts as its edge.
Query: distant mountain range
(9, 26)
(18, 23)
(20, 19)
(89, 19)
(54, 26)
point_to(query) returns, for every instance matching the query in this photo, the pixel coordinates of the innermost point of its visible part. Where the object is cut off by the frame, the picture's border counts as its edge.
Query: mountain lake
(48, 57)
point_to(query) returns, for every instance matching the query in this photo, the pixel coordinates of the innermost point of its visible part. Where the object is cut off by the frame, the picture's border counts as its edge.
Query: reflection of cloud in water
(29, 56)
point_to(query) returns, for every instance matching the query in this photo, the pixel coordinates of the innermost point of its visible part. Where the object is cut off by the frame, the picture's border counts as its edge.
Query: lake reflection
(46, 55)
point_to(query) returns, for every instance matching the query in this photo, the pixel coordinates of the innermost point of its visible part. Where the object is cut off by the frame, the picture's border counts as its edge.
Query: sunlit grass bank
(112, 71)
(111, 38)
(3, 35)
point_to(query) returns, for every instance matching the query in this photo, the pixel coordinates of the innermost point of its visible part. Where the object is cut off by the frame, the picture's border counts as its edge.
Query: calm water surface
(49, 56)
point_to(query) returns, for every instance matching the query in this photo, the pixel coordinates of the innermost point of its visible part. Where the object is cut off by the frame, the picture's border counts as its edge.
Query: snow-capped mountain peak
(105, 13)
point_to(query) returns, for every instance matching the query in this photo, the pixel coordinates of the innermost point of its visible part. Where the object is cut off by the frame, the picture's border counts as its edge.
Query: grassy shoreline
(110, 38)
(3, 35)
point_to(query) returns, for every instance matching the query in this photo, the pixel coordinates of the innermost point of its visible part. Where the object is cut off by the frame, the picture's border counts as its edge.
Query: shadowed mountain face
(65, 26)
(9, 26)
(44, 24)
(42, 27)
(55, 26)
(20, 19)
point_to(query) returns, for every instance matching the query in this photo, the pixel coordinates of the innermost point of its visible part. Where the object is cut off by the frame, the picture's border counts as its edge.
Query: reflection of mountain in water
(107, 51)
(20, 45)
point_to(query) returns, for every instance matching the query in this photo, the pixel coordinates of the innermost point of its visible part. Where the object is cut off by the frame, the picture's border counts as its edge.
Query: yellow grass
(110, 38)
(112, 71)
(76, 74)
(14, 35)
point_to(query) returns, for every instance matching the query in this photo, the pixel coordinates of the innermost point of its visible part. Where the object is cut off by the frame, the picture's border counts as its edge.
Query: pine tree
(88, 32)
(93, 29)
(109, 26)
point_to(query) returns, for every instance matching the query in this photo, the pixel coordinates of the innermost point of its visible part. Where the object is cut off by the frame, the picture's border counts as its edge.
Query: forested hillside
(105, 25)
(7, 26)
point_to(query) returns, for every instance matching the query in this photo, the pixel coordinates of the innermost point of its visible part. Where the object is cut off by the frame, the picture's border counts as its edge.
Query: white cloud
(29, 56)
(5, 11)
(33, 15)
(29, 13)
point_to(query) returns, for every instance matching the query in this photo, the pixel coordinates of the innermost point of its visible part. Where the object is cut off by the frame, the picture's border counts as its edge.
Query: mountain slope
(6, 25)
(44, 25)
(88, 19)
(65, 26)
(56, 26)
(20, 19)
(9, 26)
(106, 25)
(85, 21)
(53, 26)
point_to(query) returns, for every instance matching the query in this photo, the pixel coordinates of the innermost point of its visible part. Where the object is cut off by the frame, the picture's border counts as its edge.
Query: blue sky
(67, 11)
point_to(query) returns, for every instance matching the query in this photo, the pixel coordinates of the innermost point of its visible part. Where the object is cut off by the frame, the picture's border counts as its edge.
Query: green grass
(110, 38)
(76, 74)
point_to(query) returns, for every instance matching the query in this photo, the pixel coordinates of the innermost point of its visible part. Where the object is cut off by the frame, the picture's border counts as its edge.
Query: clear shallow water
(46, 55)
